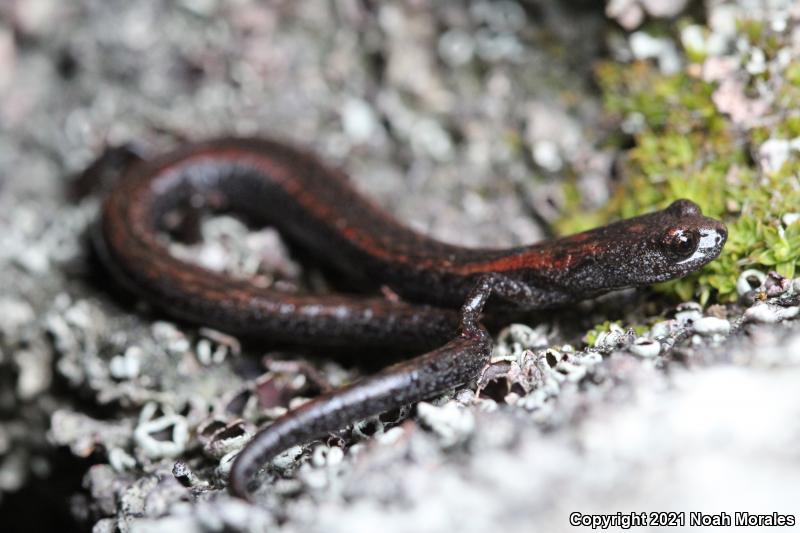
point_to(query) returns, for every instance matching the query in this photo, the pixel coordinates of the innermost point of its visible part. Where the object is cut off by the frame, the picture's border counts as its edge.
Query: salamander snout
(693, 239)
(720, 230)
(710, 241)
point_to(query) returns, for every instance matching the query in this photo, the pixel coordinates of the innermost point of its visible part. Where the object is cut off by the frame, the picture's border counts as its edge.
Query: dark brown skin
(315, 207)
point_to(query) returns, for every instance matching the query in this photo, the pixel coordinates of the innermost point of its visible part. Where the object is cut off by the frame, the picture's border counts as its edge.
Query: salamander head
(634, 252)
(659, 246)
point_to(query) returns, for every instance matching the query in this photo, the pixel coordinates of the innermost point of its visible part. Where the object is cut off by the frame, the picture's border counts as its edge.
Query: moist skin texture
(316, 208)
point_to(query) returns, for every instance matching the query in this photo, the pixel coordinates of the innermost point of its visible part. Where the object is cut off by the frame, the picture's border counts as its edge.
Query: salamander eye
(681, 243)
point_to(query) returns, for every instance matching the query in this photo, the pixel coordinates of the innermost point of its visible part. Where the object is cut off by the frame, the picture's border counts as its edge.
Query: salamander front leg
(454, 364)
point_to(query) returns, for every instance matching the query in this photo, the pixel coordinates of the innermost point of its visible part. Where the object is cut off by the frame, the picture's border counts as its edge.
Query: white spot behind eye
(708, 240)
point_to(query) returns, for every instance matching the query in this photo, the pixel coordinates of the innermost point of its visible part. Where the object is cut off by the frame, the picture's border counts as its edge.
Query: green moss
(687, 149)
(793, 73)
(752, 29)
